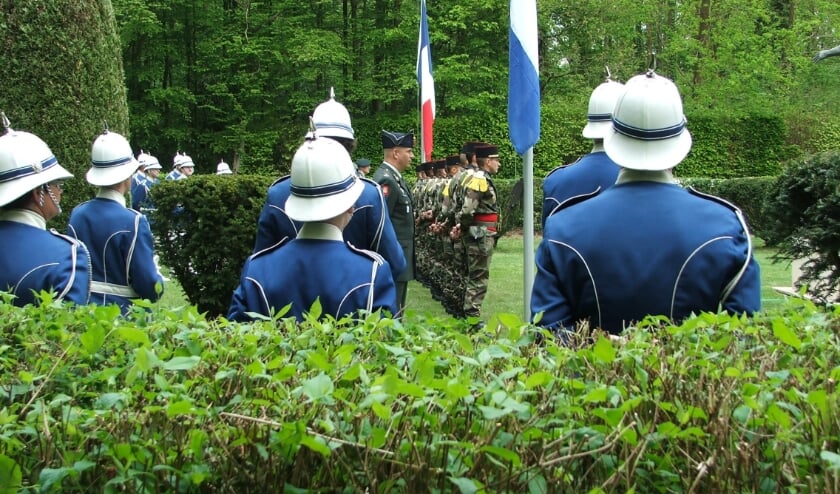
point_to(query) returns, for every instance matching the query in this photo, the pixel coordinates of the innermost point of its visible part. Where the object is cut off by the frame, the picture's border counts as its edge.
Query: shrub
(169, 401)
(61, 86)
(803, 215)
(205, 228)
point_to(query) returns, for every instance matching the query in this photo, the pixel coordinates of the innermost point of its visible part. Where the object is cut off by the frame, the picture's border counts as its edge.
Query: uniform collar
(24, 216)
(320, 231)
(625, 175)
(111, 194)
(392, 167)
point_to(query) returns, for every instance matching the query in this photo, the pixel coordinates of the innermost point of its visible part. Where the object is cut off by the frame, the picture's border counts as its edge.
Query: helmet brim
(639, 154)
(14, 189)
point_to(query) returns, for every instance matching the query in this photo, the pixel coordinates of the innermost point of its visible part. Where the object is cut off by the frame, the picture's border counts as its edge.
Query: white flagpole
(528, 230)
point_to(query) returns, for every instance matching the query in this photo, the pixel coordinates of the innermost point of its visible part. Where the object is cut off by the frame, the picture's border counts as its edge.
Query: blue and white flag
(524, 79)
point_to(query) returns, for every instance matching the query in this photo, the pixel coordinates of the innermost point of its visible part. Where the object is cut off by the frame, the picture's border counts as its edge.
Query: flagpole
(524, 121)
(528, 230)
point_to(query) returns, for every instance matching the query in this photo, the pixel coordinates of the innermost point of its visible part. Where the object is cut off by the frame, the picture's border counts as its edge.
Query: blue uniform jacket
(317, 264)
(642, 248)
(370, 228)
(34, 259)
(121, 250)
(140, 187)
(592, 172)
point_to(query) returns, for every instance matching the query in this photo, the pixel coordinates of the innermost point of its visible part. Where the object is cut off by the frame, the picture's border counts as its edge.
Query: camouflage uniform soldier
(451, 209)
(478, 221)
(423, 173)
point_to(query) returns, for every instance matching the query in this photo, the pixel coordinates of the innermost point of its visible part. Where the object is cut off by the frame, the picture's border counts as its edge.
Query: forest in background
(236, 80)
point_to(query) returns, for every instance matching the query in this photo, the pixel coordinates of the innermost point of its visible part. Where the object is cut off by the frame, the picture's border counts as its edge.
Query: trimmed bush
(169, 401)
(205, 228)
(62, 78)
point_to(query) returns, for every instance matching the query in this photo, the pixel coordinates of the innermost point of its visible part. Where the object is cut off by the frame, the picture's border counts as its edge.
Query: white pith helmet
(601, 105)
(331, 119)
(112, 160)
(223, 168)
(148, 162)
(649, 126)
(324, 183)
(184, 161)
(26, 162)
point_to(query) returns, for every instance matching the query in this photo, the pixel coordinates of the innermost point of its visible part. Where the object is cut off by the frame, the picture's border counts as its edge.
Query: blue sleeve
(385, 291)
(138, 195)
(745, 297)
(548, 294)
(239, 300)
(143, 274)
(76, 276)
(389, 246)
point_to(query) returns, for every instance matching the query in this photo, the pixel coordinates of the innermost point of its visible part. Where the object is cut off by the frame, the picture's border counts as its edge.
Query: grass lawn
(505, 295)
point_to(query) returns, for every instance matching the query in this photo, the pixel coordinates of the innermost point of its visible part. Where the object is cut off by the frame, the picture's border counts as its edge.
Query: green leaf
(318, 387)
(604, 350)
(10, 475)
(538, 379)
(785, 334)
(742, 414)
(181, 363)
(183, 407)
(503, 453)
(316, 444)
(92, 339)
(464, 485)
(596, 395)
(493, 413)
(133, 335)
(50, 477)
(833, 459)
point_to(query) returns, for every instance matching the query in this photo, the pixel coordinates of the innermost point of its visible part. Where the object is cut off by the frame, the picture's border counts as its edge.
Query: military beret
(362, 163)
(439, 164)
(397, 139)
(427, 166)
(487, 151)
(453, 160)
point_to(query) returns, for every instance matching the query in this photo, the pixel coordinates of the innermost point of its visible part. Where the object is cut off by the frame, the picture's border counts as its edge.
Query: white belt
(112, 289)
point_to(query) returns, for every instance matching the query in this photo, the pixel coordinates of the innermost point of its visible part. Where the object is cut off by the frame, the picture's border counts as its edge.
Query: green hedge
(173, 402)
(62, 78)
(205, 228)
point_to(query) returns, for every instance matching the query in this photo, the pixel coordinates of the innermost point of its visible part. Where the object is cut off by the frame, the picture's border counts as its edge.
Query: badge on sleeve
(385, 190)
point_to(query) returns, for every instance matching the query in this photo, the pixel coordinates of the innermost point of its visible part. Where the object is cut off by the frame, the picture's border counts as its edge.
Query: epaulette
(575, 200)
(375, 257)
(723, 202)
(281, 179)
(283, 241)
(562, 166)
(372, 182)
(67, 238)
(477, 182)
(710, 197)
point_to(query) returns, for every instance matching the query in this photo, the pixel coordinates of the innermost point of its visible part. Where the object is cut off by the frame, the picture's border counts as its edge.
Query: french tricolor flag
(427, 86)
(524, 79)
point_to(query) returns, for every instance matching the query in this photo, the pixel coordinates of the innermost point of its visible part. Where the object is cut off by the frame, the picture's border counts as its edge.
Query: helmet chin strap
(54, 199)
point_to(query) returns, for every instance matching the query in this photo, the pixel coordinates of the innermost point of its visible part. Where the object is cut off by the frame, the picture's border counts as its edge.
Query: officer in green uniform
(398, 152)
(479, 218)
